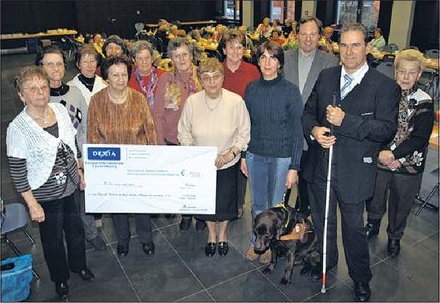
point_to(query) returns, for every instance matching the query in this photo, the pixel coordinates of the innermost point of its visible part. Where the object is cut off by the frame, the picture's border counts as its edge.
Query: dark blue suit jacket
(370, 121)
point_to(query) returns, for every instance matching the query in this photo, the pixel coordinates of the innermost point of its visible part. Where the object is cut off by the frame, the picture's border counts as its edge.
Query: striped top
(63, 179)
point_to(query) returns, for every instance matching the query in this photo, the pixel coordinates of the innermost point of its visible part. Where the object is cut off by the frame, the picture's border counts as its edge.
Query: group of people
(273, 124)
(286, 35)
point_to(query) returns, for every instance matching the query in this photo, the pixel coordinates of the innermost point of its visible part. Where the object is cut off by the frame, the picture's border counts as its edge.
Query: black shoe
(86, 274)
(362, 291)
(223, 248)
(372, 228)
(170, 216)
(393, 247)
(185, 223)
(122, 250)
(200, 225)
(316, 271)
(62, 290)
(148, 248)
(210, 249)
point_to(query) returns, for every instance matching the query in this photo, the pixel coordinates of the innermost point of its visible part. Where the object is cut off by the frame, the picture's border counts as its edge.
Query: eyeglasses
(54, 64)
(409, 73)
(312, 35)
(143, 59)
(180, 56)
(206, 77)
(265, 58)
(35, 89)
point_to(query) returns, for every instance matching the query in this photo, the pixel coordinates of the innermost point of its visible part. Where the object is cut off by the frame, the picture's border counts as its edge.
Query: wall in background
(425, 31)
(119, 17)
(36, 16)
(112, 17)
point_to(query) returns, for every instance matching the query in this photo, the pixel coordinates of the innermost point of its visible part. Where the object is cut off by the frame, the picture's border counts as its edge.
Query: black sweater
(275, 108)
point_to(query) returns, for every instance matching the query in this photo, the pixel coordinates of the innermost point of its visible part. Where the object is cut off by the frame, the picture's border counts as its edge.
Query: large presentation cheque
(149, 179)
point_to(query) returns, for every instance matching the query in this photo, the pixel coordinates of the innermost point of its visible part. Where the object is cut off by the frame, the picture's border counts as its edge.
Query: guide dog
(286, 231)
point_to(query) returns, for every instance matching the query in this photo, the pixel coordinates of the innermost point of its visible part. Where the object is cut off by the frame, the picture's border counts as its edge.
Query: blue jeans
(267, 176)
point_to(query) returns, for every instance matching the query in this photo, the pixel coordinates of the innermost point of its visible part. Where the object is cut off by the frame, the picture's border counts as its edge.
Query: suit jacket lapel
(356, 93)
(314, 69)
(295, 67)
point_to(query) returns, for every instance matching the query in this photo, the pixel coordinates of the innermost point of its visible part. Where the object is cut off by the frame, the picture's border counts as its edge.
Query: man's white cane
(327, 206)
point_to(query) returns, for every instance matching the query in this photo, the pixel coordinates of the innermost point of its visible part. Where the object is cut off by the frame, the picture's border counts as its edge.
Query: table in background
(31, 40)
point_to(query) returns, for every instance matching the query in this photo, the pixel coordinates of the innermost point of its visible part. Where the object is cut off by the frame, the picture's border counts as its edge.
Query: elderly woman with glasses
(217, 117)
(144, 76)
(43, 161)
(402, 161)
(173, 88)
(274, 153)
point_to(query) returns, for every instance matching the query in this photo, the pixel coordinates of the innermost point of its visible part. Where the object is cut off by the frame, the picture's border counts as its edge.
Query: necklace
(217, 100)
(44, 119)
(118, 99)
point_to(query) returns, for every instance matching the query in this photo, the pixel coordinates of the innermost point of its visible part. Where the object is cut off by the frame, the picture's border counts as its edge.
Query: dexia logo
(104, 153)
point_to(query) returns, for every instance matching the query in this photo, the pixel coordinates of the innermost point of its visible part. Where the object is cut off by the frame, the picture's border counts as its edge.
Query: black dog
(273, 229)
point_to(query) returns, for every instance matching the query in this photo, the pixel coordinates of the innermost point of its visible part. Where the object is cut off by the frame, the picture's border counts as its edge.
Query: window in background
(232, 9)
(366, 12)
(290, 11)
(282, 9)
(347, 12)
(370, 14)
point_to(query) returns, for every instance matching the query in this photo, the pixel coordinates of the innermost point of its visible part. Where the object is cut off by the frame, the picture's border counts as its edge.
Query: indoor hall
(180, 271)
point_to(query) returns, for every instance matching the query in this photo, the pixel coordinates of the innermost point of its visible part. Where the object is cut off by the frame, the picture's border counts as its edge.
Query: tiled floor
(180, 271)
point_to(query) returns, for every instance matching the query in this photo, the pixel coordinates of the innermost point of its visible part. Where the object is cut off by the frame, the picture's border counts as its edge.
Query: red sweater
(135, 85)
(237, 81)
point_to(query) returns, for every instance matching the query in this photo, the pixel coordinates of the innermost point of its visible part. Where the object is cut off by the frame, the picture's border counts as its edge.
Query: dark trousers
(241, 188)
(63, 218)
(122, 228)
(88, 220)
(400, 191)
(302, 201)
(353, 234)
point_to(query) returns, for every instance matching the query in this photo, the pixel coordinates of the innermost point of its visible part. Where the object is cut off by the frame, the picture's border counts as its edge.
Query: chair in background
(432, 53)
(14, 216)
(139, 26)
(386, 68)
(391, 48)
(388, 58)
(67, 44)
(429, 82)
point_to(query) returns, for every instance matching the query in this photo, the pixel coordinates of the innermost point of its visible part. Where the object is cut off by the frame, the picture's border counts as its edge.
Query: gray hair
(357, 27)
(139, 46)
(179, 42)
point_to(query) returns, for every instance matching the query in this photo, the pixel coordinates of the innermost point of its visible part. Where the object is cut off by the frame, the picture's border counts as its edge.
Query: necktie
(345, 88)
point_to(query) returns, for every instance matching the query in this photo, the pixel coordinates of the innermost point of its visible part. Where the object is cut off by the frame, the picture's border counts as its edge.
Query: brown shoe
(251, 255)
(266, 257)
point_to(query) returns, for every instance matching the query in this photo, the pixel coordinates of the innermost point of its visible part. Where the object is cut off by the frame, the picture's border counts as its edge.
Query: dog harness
(298, 232)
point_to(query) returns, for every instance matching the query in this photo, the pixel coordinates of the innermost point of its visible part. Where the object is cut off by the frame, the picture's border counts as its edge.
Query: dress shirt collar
(357, 75)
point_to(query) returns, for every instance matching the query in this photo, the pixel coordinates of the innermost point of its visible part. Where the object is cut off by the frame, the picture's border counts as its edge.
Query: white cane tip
(323, 290)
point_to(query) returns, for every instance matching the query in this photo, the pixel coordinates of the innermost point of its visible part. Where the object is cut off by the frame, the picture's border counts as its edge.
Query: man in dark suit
(302, 67)
(363, 118)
